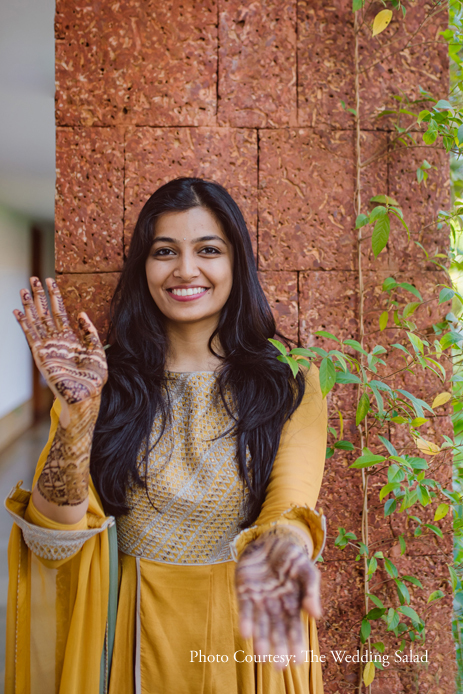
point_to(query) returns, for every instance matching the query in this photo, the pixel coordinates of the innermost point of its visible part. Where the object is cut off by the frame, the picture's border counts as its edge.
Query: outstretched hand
(75, 369)
(275, 579)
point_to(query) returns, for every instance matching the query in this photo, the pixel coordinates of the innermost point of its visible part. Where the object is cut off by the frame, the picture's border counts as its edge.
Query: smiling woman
(205, 450)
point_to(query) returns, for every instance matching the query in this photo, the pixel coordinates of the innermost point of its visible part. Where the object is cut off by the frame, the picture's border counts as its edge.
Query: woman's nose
(187, 267)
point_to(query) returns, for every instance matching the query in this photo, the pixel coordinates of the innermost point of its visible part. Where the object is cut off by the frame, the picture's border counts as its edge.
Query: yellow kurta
(177, 622)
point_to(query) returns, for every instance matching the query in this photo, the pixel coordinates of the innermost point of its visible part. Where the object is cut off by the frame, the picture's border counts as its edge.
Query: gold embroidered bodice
(193, 481)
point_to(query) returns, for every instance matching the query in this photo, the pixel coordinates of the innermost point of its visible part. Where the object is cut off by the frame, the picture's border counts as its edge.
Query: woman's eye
(163, 252)
(210, 250)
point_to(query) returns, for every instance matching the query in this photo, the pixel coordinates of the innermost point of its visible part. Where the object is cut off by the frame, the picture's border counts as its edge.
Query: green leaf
(392, 620)
(390, 448)
(402, 590)
(324, 333)
(410, 288)
(437, 595)
(344, 445)
(410, 612)
(417, 343)
(378, 213)
(423, 495)
(387, 489)
(375, 613)
(391, 568)
(434, 529)
(327, 376)
(357, 5)
(292, 363)
(365, 630)
(375, 600)
(280, 347)
(383, 319)
(403, 545)
(367, 460)
(361, 220)
(342, 377)
(449, 339)
(430, 136)
(362, 409)
(303, 352)
(380, 235)
(355, 345)
(385, 200)
(442, 103)
(389, 507)
(441, 511)
(410, 308)
(417, 403)
(395, 474)
(446, 294)
(414, 580)
(389, 283)
(453, 577)
(379, 645)
(460, 135)
(372, 565)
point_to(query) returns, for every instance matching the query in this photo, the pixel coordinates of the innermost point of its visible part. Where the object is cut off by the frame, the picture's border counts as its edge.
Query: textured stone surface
(281, 291)
(409, 54)
(374, 181)
(306, 216)
(257, 63)
(329, 301)
(91, 293)
(156, 155)
(420, 205)
(89, 199)
(325, 52)
(132, 61)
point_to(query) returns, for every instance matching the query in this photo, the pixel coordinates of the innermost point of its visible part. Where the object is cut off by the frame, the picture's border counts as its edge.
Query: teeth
(189, 292)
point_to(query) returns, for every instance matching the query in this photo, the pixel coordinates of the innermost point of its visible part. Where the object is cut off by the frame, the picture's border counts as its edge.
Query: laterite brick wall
(248, 94)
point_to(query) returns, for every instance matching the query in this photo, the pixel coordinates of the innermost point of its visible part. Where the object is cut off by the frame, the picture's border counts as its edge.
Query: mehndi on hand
(275, 579)
(75, 369)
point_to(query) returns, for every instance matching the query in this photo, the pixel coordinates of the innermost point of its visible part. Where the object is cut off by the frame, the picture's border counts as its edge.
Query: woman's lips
(181, 294)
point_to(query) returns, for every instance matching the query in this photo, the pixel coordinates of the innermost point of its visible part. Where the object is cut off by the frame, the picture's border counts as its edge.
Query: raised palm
(75, 369)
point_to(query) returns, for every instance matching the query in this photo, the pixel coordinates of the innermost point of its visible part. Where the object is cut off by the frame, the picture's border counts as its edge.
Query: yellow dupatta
(57, 613)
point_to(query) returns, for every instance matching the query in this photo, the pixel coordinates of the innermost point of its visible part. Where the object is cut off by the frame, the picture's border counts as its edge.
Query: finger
(57, 306)
(310, 583)
(88, 332)
(31, 313)
(32, 337)
(278, 630)
(261, 630)
(295, 636)
(245, 618)
(41, 306)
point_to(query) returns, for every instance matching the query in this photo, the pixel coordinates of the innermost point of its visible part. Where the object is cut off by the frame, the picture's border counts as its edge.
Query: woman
(203, 447)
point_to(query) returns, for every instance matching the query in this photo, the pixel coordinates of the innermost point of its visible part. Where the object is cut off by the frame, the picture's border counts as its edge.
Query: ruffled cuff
(54, 542)
(312, 520)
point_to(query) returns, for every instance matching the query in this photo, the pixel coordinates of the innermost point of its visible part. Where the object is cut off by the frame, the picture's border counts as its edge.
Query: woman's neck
(189, 347)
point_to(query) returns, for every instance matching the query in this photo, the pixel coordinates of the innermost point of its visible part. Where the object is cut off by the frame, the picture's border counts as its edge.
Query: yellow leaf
(427, 447)
(441, 511)
(381, 21)
(368, 674)
(441, 399)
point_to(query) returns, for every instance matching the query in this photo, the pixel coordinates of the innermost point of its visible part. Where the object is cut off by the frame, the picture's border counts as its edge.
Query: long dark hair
(264, 392)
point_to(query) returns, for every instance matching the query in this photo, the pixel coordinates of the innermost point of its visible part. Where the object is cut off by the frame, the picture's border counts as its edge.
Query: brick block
(325, 51)
(91, 293)
(89, 199)
(136, 62)
(257, 63)
(306, 215)
(281, 291)
(374, 181)
(157, 155)
(409, 54)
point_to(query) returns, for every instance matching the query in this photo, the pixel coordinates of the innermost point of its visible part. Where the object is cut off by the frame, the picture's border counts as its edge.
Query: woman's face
(190, 266)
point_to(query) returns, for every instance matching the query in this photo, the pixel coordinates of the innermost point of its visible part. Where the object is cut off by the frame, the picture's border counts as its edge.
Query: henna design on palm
(275, 579)
(75, 369)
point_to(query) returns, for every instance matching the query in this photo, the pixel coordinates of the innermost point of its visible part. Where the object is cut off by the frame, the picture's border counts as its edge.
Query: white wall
(15, 264)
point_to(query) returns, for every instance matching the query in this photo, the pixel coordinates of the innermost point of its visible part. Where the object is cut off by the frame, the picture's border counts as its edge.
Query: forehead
(197, 221)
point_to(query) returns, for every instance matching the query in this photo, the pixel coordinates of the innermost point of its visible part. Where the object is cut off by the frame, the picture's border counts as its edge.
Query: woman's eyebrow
(200, 239)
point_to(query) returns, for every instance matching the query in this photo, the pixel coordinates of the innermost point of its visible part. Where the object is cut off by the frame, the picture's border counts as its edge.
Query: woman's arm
(276, 575)
(75, 370)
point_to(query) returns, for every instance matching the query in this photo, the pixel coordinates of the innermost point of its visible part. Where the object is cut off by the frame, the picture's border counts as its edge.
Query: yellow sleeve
(297, 472)
(54, 543)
